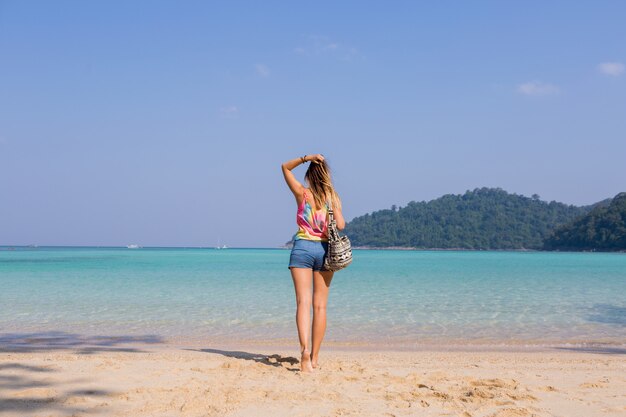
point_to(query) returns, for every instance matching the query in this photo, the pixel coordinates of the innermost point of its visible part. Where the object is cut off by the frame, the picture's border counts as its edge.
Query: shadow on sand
(605, 350)
(17, 380)
(56, 340)
(275, 360)
(28, 389)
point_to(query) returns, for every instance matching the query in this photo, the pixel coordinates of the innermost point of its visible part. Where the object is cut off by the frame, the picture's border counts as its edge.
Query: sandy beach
(124, 380)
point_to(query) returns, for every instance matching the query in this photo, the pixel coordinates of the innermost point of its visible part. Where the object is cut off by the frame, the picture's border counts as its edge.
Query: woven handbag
(339, 254)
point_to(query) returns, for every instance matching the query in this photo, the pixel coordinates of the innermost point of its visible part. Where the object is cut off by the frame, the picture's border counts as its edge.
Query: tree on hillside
(602, 229)
(485, 218)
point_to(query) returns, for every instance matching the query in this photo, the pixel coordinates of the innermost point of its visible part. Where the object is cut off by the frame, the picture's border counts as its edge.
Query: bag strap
(333, 233)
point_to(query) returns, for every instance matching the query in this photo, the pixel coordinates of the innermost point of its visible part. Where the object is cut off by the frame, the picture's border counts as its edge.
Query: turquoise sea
(385, 298)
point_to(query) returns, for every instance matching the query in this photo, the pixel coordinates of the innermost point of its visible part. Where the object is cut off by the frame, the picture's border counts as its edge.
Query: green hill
(486, 218)
(602, 229)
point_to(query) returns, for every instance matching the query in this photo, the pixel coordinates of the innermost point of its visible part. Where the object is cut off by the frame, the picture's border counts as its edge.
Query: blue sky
(165, 123)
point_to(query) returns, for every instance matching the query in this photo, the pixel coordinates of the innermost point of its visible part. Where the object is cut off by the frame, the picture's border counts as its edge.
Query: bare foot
(305, 362)
(314, 363)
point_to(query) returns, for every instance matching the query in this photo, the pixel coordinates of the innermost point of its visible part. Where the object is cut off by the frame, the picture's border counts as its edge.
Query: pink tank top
(312, 225)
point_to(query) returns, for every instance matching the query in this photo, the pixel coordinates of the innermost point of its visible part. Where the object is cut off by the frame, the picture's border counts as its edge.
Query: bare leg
(321, 285)
(302, 283)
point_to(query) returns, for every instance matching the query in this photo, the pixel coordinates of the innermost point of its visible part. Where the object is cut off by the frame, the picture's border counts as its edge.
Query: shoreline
(331, 348)
(60, 340)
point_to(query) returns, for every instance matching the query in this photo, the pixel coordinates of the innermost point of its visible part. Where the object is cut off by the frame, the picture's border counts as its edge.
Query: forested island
(491, 218)
(602, 229)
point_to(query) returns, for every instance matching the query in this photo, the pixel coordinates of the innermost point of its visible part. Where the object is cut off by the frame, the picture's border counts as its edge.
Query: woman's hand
(316, 158)
(294, 185)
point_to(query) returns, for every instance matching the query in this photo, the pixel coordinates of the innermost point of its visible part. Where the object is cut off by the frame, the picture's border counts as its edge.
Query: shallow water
(401, 298)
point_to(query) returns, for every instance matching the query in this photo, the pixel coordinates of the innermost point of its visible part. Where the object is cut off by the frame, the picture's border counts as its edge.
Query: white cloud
(537, 88)
(614, 69)
(262, 70)
(316, 45)
(229, 112)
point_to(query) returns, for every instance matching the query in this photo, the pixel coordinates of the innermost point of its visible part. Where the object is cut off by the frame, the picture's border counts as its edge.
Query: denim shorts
(308, 254)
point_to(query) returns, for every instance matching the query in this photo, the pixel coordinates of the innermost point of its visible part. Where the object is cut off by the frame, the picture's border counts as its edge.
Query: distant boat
(133, 246)
(219, 244)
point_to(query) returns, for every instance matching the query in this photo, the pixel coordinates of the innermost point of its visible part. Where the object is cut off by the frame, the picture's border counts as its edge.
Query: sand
(262, 381)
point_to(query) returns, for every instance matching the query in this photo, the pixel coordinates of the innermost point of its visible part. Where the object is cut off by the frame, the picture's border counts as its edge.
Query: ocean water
(385, 298)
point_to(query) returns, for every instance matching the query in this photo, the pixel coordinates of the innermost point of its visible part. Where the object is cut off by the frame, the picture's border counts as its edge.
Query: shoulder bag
(339, 254)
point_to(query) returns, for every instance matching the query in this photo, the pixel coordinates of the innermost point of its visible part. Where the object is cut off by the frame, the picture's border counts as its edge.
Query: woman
(310, 246)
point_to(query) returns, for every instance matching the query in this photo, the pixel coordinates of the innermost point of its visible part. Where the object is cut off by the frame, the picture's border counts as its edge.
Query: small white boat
(133, 246)
(220, 245)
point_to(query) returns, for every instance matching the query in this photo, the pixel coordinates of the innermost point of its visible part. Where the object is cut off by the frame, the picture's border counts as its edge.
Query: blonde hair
(318, 178)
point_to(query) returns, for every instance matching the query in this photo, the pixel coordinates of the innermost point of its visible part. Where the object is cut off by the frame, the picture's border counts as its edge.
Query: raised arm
(294, 185)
